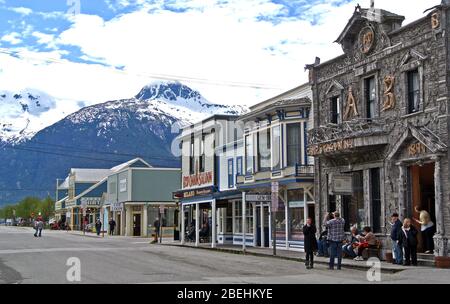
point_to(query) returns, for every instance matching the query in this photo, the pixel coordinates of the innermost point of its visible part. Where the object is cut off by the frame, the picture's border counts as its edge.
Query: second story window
(239, 169)
(294, 147)
(249, 154)
(202, 154)
(413, 91)
(335, 115)
(370, 96)
(276, 144)
(191, 156)
(230, 173)
(264, 150)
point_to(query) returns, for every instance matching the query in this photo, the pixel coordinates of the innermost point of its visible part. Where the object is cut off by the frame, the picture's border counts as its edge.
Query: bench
(373, 252)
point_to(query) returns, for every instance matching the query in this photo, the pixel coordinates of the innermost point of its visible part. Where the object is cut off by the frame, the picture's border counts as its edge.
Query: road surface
(25, 259)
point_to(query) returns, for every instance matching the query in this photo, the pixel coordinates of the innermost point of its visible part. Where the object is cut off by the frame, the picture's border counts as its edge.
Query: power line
(168, 77)
(63, 154)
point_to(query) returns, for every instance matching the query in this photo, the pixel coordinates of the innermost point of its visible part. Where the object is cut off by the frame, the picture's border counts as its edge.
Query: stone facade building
(381, 122)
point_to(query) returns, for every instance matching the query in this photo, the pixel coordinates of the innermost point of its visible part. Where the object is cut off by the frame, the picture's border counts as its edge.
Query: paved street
(26, 259)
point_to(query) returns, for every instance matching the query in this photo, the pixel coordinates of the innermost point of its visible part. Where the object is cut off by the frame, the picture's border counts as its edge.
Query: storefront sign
(336, 146)
(294, 204)
(258, 197)
(192, 193)
(91, 201)
(116, 207)
(342, 184)
(198, 179)
(416, 149)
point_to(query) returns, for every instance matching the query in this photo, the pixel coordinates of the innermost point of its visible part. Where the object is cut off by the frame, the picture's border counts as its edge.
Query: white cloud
(21, 10)
(46, 39)
(13, 38)
(209, 40)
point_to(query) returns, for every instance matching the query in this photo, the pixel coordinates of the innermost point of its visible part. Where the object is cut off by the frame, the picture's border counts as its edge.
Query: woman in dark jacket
(309, 232)
(407, 239)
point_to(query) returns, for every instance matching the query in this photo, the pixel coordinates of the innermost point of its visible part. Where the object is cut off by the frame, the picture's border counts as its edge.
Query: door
(137, 224)
(118, 225)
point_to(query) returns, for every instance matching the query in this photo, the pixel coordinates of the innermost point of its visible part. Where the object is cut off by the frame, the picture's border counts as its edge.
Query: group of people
(333, 243)
(38, 226)
(203, 233)
(404, 237)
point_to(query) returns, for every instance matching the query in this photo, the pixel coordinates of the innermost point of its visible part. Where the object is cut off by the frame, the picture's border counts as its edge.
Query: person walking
(112, 226)
(427, 230)
(309, 232)
(157, 225)
(98, 226)
(336, 236)
(407, 238)
(38, 226)
(396, 248)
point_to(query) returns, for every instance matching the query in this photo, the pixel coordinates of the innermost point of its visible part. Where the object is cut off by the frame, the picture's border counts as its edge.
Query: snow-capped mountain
(24, 113)
(101, 136)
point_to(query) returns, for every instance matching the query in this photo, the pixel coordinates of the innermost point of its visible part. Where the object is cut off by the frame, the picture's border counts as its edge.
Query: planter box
(442, 262)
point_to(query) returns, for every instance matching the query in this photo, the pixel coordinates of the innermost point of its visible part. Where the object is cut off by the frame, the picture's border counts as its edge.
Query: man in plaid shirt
(336, 235)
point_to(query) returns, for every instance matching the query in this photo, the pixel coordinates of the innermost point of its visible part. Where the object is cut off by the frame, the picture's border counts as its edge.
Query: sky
(84, 52)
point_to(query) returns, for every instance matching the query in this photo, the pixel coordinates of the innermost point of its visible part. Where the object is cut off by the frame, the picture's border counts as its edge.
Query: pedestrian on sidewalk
(396, 248)
(98, 226)
(310, 241)
(157, 225)
(427, 230)
(407, 238)
(112, 226)
(336, 236)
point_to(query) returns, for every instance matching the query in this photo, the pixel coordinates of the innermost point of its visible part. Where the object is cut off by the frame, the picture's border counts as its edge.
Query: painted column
(286, 219)
(401, 191)
(183, 228)
(270, 228)
(261, 214)
(214, 228)
(254, 224)
(145, 220)
(243, 220)
(439, 211)
(197, 224)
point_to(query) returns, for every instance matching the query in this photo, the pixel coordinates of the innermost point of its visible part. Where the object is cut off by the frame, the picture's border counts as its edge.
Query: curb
(236, 251)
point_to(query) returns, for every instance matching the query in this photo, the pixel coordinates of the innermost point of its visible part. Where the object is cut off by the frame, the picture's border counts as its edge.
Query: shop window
(229, 220)
(413, 88)
(264, 150)
(331, 203)
(335, 117)
(370, 96)
(353, 205)
(238, 218)
(296, 199)
(276, 147)
(375, 185)
(293, 144)
(248, 154)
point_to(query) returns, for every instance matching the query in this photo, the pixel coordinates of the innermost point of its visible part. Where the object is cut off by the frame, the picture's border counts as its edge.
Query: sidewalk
(291, 255)
(107, 236)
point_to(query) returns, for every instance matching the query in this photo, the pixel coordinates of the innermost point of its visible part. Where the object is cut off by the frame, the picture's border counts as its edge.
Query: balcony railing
(291, 171)
(362, 127)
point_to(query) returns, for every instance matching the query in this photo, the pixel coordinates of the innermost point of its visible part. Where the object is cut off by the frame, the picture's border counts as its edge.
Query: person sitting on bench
(205, 231)
(367, 240)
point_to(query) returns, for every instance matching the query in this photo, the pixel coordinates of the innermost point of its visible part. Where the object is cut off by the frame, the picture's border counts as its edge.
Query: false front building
(380, 135)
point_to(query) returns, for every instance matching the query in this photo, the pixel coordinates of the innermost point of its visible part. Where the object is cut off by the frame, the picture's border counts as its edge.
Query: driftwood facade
(381, 122)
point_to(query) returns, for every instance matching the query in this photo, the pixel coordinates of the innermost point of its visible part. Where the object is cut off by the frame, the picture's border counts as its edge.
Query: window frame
(338, 114)
(368, 101)
(299, 145)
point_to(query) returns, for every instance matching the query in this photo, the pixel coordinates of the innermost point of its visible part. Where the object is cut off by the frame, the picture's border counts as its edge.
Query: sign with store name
(340, 145)
(91, 201)
(296, 204)
(342, 184)
(117, 207)
(198, 179)
(417, 148)
(258, 197)
(192, 193)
